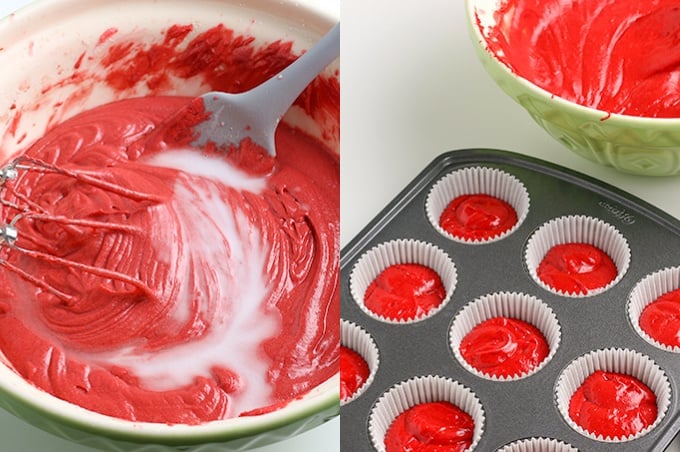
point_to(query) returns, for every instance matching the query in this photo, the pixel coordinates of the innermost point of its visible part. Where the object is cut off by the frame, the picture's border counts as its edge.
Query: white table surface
(412, 88)
(18, 436)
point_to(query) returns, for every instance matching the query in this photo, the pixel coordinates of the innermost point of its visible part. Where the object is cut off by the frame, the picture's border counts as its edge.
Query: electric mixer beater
(27, 210)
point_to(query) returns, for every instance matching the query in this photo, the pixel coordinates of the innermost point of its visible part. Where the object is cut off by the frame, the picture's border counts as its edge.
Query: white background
(412, 88)
(18, 436)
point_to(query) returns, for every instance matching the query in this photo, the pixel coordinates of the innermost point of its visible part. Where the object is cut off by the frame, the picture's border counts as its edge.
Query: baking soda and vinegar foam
(226, 258)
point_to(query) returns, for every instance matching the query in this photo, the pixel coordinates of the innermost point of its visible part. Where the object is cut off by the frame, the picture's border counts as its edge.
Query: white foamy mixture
(225, 259)
(194, 163)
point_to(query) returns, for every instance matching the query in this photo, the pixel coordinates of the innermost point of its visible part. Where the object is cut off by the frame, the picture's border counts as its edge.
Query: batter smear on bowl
(613, 405)
(430, 426)
(405, 292)
(619, 56)
(576, 268)
(237, 307)
(477, 217)
(504, 347)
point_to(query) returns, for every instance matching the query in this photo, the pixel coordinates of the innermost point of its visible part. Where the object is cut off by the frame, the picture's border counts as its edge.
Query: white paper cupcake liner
(577, 229)
(538, 445)
(401, 251)
(623, 361)
(477, 180)
(356, 338)
(423, 390)
(645, 292)
(505, 304)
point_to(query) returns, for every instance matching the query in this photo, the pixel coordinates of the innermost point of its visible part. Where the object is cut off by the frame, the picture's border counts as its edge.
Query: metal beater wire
(9, 233)
(10, 172)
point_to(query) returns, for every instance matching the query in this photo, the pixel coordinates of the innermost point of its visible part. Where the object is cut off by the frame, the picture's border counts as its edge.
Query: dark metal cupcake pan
(522, 408)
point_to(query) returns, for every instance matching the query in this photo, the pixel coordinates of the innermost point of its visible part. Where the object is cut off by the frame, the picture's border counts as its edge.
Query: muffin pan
(523, 410)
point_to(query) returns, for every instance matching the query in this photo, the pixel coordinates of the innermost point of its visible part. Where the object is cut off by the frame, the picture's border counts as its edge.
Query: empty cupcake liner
(645, 292)
(624, 361)
(538, 445)
(401, 251)
(356, 338)
(419, 390)
(505, 304)
(477, 180)
(577, 229)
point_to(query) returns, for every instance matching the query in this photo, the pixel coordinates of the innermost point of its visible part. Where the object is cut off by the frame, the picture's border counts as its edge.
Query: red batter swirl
(504, 347)
(405, 292)
(620, 56)
(435, 426)
(661, 319)
(576, 268)
(233, 307)
(613, 405)
(477, 217)
(241, 311)
(353, 372)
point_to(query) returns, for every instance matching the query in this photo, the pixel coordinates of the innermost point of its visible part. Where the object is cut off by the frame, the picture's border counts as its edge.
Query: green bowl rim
(327, 404)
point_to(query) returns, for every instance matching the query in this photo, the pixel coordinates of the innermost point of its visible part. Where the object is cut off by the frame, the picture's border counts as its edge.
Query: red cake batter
(620, 56)
(435, 426)
(404, 292)
(353, 372)
(613, 405)
(504, 347)
(576, 268)
(478, 216)
(234, 306)
(661, 319)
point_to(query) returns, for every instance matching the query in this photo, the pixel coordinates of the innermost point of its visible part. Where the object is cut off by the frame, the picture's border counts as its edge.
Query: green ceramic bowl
(43, 45)
(645, 146)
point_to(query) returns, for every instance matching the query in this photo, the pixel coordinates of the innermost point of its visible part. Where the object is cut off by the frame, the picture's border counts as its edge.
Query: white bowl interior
(483, 11)
(45, 41)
